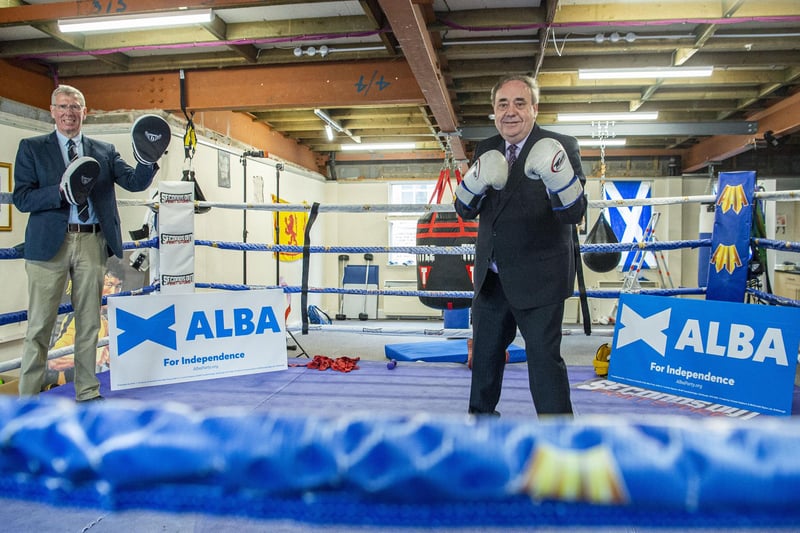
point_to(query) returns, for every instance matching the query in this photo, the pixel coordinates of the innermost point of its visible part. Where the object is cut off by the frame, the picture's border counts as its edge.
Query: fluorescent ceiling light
(139, 21)
(602, 142)
(628, 73)
(330, 123)
(377, 147)
(612, 117)
(329, 132)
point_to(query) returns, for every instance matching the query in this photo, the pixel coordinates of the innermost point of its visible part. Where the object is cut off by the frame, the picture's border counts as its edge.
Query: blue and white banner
(163, 339)
(629, 222)
(731, 353)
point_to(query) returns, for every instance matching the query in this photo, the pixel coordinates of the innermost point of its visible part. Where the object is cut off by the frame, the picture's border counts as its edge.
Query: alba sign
(734, 354)
(162, 339)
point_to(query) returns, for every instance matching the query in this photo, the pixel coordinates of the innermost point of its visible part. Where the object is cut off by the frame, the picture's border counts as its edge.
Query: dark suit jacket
(37, 173)
(531, 243)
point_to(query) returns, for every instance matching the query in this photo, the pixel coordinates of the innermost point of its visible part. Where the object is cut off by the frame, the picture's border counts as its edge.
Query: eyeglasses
(71, 107)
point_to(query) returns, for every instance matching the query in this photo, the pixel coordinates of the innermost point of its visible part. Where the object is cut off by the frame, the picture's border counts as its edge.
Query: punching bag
(445, 272)
(601, 233)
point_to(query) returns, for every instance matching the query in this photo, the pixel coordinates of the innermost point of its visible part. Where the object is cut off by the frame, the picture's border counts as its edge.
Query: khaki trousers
(82, 258)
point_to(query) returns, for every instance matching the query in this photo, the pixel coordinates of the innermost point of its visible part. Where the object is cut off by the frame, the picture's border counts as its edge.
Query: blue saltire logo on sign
(731, 353)
(136, 330)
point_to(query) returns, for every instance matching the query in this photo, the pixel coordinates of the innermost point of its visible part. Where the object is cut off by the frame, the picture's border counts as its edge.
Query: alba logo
(743, 341)
(221, 323)
(136, 330)
(242, 322)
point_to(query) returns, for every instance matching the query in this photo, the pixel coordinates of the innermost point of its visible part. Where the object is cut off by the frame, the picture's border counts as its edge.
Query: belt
(83, 228)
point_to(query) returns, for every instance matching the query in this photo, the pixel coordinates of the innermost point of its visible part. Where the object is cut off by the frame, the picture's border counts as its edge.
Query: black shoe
(97, 398)
(478, 413)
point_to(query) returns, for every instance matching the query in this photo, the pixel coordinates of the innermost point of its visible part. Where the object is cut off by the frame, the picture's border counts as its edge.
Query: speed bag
(601, 233)
(445, 272)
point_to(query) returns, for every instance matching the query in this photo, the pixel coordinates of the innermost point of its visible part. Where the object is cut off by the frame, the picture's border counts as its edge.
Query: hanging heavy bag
(445, 272)
(601, 233)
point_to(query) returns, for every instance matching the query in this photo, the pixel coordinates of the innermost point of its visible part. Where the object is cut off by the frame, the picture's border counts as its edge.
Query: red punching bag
(445, 272)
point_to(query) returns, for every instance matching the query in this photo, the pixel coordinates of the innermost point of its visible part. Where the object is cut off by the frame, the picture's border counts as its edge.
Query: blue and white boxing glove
(489, 170)
(548, 161)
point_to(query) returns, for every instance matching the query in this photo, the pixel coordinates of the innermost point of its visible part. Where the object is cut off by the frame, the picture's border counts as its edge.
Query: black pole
(243, 160)
(278, 168)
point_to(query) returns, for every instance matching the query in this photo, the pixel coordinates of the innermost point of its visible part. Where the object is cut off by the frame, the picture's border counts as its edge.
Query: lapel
(516, 174)
(88, 147)
(53, 151)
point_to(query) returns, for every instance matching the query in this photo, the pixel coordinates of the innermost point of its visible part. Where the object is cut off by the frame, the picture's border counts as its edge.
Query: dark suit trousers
(495, 325)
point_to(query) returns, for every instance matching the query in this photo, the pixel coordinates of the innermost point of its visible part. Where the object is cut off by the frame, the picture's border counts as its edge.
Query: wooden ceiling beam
(277, 87)
(408, 25)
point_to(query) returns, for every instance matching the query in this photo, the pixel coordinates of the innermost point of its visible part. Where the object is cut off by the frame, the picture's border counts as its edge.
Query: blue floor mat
(441, 351)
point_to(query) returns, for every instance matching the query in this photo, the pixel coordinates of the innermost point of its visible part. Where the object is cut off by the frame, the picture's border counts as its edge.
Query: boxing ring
(333, 463)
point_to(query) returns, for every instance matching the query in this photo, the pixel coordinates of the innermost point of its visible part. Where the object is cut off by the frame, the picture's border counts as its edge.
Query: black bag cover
(445, 272)
(188, 175)
(601, 233)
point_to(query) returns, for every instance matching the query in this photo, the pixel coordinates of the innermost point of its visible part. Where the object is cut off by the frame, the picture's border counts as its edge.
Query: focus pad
(79, 178)
(150, 136)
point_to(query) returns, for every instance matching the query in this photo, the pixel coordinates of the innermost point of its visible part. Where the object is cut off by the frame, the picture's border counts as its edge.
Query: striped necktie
(512, 155)
(72, 152)
(83, 209)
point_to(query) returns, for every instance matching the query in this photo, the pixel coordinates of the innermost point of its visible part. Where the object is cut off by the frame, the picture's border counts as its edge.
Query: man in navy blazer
(61, 244)
(528, 204)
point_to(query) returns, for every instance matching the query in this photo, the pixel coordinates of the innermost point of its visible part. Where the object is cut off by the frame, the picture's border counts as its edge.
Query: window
(403, 225)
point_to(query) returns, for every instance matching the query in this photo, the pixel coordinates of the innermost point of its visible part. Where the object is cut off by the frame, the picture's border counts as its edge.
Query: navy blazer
(37, 173)
(531, 243)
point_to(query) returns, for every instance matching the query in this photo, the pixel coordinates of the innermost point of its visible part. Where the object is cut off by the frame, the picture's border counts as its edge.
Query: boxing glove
(489, 170)
(548, 161)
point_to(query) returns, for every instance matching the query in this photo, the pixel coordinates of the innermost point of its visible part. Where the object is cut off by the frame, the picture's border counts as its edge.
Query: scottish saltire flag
(629, 222)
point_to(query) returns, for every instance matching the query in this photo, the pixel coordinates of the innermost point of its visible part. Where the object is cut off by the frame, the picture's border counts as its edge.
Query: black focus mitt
(78, 180)
(150, 136)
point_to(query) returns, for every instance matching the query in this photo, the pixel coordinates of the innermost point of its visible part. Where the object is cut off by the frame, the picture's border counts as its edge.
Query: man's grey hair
(527, 80)
(68, 90)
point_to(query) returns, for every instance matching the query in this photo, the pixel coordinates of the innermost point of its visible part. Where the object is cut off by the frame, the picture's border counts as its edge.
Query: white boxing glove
(548, 161)
(489, 170)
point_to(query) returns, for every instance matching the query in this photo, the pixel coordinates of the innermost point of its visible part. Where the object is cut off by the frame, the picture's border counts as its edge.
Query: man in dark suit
(528, 203)
(65, 240)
